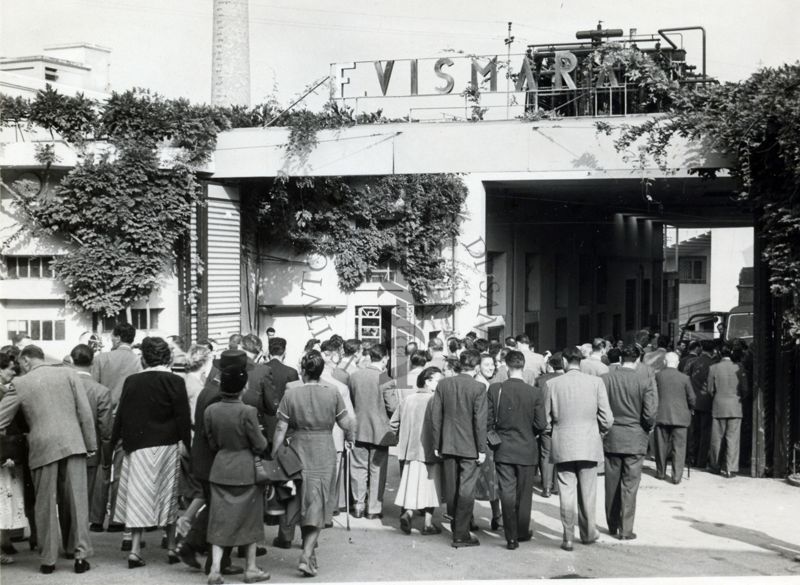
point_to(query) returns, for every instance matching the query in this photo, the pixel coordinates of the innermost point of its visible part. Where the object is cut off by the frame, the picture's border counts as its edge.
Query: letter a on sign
(384, 75)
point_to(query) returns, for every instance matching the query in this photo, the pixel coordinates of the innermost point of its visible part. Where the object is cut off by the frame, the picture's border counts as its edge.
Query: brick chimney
(230, 64)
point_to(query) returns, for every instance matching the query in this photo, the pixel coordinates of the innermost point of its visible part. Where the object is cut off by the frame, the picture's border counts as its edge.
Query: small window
(16, 326)
(29, 267)
(36, 330)
(692, 270)
(47, 331)
(50, 74)
(60, 330)
(384, 273)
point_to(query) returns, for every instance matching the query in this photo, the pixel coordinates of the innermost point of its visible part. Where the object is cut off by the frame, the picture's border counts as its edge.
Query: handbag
(260, 470)
(289, 460)
(493, 438)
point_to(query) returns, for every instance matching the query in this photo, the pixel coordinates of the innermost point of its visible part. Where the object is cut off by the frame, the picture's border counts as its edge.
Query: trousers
(104, 491)
(623, 474)
(368, 466)
(670, 440)
(546, 467)
(291, 518)
(577, 484)
(62, 484)
(729, 430)
(516, 492)
(460, 479)
(700, 437)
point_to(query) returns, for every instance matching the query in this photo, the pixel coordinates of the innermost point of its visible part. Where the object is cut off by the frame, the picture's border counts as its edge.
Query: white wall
(731, 250)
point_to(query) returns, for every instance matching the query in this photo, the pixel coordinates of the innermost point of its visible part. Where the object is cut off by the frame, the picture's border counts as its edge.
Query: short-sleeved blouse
(312, 407)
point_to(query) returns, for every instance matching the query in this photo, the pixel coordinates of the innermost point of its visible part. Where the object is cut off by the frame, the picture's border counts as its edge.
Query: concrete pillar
(230, 73)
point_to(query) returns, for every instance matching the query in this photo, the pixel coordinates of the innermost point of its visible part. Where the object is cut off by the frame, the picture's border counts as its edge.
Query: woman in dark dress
(311, 411)
(236, 509)
(152, 419)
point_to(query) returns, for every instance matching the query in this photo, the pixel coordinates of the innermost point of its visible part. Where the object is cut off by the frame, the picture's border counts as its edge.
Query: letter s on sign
(449, 81)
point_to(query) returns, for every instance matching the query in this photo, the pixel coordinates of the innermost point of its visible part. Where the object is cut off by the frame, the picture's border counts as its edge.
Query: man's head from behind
(30, 356)
(470, 360)
(571, 356)
(671, 359)
(123, 333)
(515, 361)
(277, 347)
(82, 356)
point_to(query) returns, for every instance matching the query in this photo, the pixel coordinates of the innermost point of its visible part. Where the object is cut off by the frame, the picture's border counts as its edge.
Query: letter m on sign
(489, 69)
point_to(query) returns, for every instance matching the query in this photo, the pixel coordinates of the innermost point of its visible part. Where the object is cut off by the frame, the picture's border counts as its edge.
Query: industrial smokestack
(230, 75)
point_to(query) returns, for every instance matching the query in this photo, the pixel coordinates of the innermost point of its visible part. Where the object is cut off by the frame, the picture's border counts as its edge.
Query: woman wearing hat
(152, 419)
(236, 509)
(311, 410)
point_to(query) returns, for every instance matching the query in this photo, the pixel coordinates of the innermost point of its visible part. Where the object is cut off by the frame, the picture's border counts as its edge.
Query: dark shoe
(164, 542)
(430, 530)
(465, 542)
(186, 555)
(126, 546)
(306, 566)
(47, 569)
(661, 476)
(8, 549)
(242, 552)
(95, 527)
(135, 561)
(116, 527)
(232, 570)
(546, 493)
(374, 516)
(405, 524)
(473, 526)
(592, 541)
(82, 565)
(278, 542)
(725, 474)
(496, 524)
(336, 513)
(613, 530)
(567, 545)
(730, 475)
(631, 536)
(676, 481)
(512, 545)
(526, 538)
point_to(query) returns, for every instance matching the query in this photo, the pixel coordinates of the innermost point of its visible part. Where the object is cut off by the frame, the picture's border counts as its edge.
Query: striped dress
(148, 487)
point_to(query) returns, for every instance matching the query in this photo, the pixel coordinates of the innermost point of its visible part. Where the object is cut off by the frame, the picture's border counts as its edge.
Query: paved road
(707, 526)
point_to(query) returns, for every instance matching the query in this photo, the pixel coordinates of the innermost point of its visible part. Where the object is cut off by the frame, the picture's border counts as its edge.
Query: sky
(165, 45)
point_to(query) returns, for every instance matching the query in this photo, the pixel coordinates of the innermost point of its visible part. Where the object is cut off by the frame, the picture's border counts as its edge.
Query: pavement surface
(707, 526)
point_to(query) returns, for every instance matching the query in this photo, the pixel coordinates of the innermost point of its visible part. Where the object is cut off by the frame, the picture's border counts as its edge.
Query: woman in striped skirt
(152, 419)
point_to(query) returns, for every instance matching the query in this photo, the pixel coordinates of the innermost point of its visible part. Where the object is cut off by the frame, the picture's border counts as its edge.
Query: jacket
(258, 392)
(374, 401)
(57, 411)
(516, 413)
(234, 437)
(100, 402)
(328, 379)
(697, 371)
(577, 409)
(281, 376)
(727, 385)
(634, 405)
(458, 417)
(593, 366)
(675, 398)
(112, 367)
(412, 424)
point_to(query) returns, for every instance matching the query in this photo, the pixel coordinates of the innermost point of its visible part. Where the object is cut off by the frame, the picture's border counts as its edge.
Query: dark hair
(6, 360)
(494, 347)
(232, 379)
(556, 362)
(328, 346)
(510, 341)
(312, 364)
(377, 352)
(643, 337)
(155, 352)
(454, 344)
(337, 340)
(435, 344)
(663, 341)
(310, 344)
(471, 335)
(419, 358)
(572, 354)
(251, 343)
(693, 345)
(481, 345)
(630, 353)
(11, 350)
(411, 348)
(522, 338)
(726, 350)
(82, 355)
(32, 351)
(178, 340)
(515, 360)
(598, 343)
(426, 375)
(351, 346)
(614, 355)
(469, 358)
(125, 331)
(501, 355)
(270, 330)
(277, 346)
(453, 364)
(708, 345)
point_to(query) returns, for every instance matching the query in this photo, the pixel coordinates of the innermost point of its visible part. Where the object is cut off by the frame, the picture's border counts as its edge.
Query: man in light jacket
(727, 385)
(675, 405)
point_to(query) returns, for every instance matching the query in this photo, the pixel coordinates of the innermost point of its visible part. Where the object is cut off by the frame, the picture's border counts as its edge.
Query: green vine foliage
(402, 219)
(756, 123)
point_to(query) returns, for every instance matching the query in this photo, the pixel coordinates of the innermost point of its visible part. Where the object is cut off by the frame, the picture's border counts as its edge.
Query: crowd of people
(210, 445)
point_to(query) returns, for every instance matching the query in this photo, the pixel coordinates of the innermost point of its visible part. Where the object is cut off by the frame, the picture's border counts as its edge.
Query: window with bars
(29, 267)
(692, 270)
(384, 273)
(138, 319)
(38, 329)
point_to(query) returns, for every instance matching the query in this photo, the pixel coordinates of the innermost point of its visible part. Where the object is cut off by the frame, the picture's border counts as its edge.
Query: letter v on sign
(384, 75)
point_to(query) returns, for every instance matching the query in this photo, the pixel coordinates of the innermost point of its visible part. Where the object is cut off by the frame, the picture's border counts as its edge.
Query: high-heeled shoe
(135, 561)
(306, 566)
(172, 557)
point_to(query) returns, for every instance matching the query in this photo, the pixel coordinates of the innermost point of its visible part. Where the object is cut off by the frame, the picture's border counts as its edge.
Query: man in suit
(727, 385)
(374, 399)
(111, 369)
(700, 430)
(577, 411)
(675, 404)
(458, 424)
(692, 351)
(516, 413)
(436, 350)
(100, 402)
(258, 391)
(634, 404)
(61, 436)
(593, 364)
(351, 355)
(546, 467)
(533, 361)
